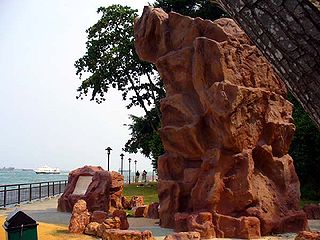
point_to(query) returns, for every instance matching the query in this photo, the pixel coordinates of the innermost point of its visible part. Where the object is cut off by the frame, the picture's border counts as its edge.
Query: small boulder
(180, 220)
(80, 217)
(201, 223)
(92, 228)
(153, 211)
(126, 204)
(141, 211)
(98, 216)
(112, 223)
(109, 223)
(306, 235)
(124, 225)
(136, 201)
(183, 236)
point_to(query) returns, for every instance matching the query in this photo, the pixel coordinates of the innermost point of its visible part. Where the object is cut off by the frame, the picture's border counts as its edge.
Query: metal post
(5, 196)
(59, 187)
(39, 190)
(108, 149)
(129, 170)
(121, 169)
(52, 188)
(135, 166)
(30, 192)
(19, 193)
(48, 189)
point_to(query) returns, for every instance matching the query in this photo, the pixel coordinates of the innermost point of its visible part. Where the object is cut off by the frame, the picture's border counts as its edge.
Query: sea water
(18, 176)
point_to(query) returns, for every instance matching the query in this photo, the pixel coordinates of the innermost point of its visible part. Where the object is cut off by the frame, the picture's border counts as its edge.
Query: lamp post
(108, 149)
(135, 166)
(129, 169)
(121, 169)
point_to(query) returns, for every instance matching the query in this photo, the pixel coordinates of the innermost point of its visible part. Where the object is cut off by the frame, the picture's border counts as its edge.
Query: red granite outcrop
(226, 127)
(104, 193)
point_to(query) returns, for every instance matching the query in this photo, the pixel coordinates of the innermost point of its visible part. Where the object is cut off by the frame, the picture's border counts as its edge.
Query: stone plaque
(82, 185)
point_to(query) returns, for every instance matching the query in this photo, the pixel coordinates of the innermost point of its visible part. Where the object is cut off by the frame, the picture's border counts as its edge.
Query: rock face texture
(114, 234)
(184, 236)
(153, 211)
(122, 215)
(201, 223)
(104, 193)
(305, 235)
(80, 217)
(226, 127)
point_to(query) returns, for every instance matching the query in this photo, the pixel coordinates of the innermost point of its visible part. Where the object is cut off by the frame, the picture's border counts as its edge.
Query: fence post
(48, 189)
(5, 196)
(59, 187)
(30, 192)
(19, 193)
(40, 191)
(52, 188)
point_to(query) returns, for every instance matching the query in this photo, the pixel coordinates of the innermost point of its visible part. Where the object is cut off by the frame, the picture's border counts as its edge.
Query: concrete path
(45, 211)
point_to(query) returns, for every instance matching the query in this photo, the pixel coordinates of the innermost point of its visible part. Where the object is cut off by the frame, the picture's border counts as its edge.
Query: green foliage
(192, 8)
(305, 151)
(111, 61)
(143, 138)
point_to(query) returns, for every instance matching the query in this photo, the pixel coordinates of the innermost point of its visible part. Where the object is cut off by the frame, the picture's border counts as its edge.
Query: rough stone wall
(287, 32)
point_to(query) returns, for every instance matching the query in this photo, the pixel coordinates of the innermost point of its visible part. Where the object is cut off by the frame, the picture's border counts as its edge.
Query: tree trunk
(287, 32)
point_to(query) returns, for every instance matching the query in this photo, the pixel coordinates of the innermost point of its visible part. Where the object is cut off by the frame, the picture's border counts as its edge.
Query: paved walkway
(45, 211)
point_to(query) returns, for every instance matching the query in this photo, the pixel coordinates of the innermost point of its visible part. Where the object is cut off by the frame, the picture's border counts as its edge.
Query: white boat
(47, 170)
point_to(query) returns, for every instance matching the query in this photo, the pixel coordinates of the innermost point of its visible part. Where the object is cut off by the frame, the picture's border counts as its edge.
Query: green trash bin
(20, 226)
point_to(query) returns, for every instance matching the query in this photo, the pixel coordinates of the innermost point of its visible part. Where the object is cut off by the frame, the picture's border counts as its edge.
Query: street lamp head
(108, 149)
(129, 160)
(121, 155)
(135, 161)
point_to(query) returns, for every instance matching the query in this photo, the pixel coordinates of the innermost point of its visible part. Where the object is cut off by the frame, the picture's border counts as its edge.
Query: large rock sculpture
(226, 127)
(102, 190)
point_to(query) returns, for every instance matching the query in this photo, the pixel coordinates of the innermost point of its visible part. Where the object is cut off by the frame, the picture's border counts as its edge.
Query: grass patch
(149, 191)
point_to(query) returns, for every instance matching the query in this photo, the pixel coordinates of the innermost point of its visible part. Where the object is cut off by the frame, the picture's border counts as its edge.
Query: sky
(41, 121)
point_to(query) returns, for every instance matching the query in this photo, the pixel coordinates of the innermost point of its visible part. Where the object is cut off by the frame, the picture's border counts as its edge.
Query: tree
(305, 151)
(111, 61)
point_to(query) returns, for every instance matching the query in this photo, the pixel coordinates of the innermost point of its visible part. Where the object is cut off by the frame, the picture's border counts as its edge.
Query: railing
(27, 192)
